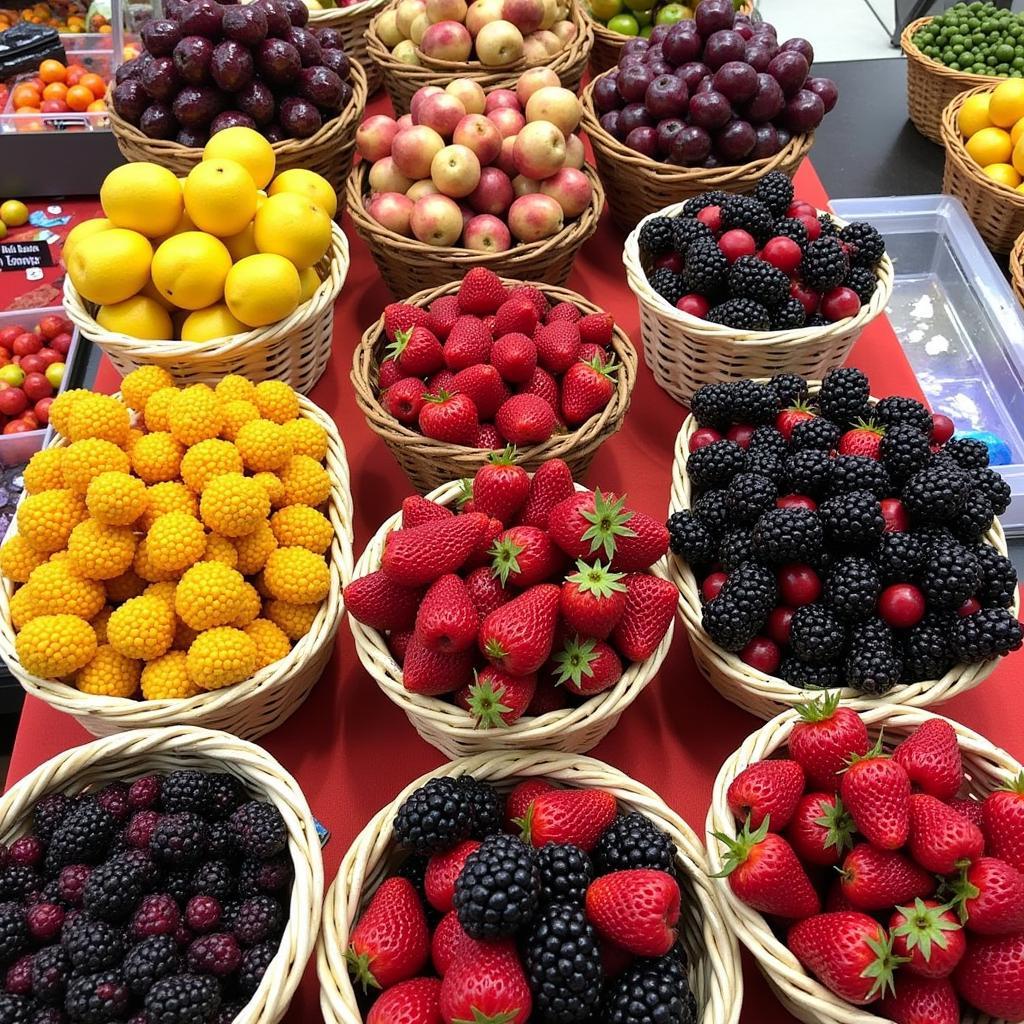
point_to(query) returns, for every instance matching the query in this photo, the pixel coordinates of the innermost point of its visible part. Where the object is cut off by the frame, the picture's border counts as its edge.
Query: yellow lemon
(189, 269)
(220, 197)
(309, 184)
(990, 146)
(294, 227)
(1017, 131)
(138, 317)
(1017, 159)
(246, 147)
(973, 114)
(110, 266)
(152, 292)
(310, 281)
(262, 289)
(143, 197)
(212, 322)
(243, 244)
(1006, 107)
(1020, 188)
(14, 213)
(82, 231)
(1005, 174)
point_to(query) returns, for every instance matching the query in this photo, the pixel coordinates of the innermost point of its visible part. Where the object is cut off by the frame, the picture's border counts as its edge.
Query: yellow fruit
(25, 607)
(234, 505)
(263, 446)
(243, 244)
(305, 482)
(262, 289)
(294, 227)
(309, 279)
(143, 197)
(13, 213)
(254, 549)
(220, 197)
(308, 184)
(109, 674)
(271, 642)
(296, 575)
(47, 519)
(218, 549)
(43, 471)
(1005, 174)
(989, 146)
(175, 541)
(210, 594)
(276, 401)
(157, 414)
(110, 266)
(143, 627)
(100, 552)
(60, 410)
(124, 587)
(60, 587)
(307, 438)
(52, 646)
(207, 459)
(99, 624)
(1006, 107)
(169, 496)
(166, 678)
(134, 433)
(145, 569)
(18, 558)
(973, 114)
(221, 657)
(82, 231)
(302, 526)
(140, 385)
(164, 591)
(116, 498)
(234, 387)
(86, 460)
(190, 269)
(237, 413)
(195, 415)
(152, 292)
(156, 457)
(295, 620)
(1017, 131)
(1017, 158)
(98, 416)
(211, 324)
(138, 317)
(272, 484)
(249, 607)
(246, 147)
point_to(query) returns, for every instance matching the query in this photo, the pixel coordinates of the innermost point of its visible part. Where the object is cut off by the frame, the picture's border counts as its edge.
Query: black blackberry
(716, 463)
(789, 388)
(220, 839)
(185, 790)
(706, 270)
(650, 992)
(634, 841)
(870, 244)
(863, 281)
(563, 965)
(852, 588)
(790, 227)
(789, 316)
(81, 838)
(178, 884)
(873, 664)
(990, 633)
(50, 971)
(17, 881)
(259, 829)
(748, 214)
(927, 649)
(149, 961)
(711, 405)
(113, 890)
(183, 999)
(258, 919)
(749, 496)
(255, 962)
(899, 556)
(753, 278)
(741, 315)
(668, 284)
(13, 931)
(817, 320)
(691, 539)
(498, 890)
(903, 451)
(769, 464)
(809, 472)
(815, 433)
(810, 677)
(998, 578)
(694, 205)
(739, 611)
(767, 439)
(899, 409)
(936, 493)
(710, 509)
(997, 489)
(223, 793)
(485, 804)
(949, 577)
(177, 840)
(966, 452)
(16, 1009)
(565, 873)
(434, 818)
(974, 518)
(736, 547)
(92, 945)
(788, 535)
(859, 473)
(852, 521)
(754, 403)
(775, 190)
(686, 231)
(824, 265)
(656, 236)
(816, 635)
(273, 875)
(829, 228)
(97, 998)
(49, 813)
(843, 397)
(214, 878)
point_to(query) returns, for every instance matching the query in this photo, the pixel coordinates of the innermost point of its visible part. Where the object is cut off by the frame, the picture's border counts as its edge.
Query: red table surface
(351, 749)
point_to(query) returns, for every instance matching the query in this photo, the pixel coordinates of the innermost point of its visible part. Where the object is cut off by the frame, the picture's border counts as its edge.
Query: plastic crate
(99, 61)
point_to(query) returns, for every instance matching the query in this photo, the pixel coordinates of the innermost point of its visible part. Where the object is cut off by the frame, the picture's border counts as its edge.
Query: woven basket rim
(601, 31)
(913, 52)
(1017, 268)
(341, 12)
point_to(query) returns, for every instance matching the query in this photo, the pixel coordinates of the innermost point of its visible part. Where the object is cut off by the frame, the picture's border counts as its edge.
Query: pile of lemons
(224, 250)
(175, 551)
(992, 124)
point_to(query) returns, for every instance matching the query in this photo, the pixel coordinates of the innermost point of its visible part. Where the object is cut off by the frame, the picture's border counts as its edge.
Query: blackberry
(775, 190)
(753, 278)
(498, 889)
(754, 403)
(177, 840)
(686, 231)
(710, 509)
(809, 472)
(817, 433)
(749, 496)
(739, 611)
(273, 875)
(767, 439)
(859, 473)
(789, 388)
(691, 539)
(927, 649)
(966, 452)
(903, 451)
(259, 829)
(895, 410)
(217, 954)
(788, 535)
(486, 805)
(152, 959)
(50, 971)
(183, 999)
(873, 665)
(15, 1009)
(634, 841)
(258, 919)
(998, 578)
(81, 838)
(899, 556)
(863, 281)
(255, 962)
(829, 229)
(92, 945)
(706, 270)
(17, 881)
(694, 205)
(852, 521)
(790, 227)
(843, 397)
(870, 244)
(816, 634)
(97, 998)
(656, 236)
(852, 588)
(214, 878)
(565, 873)
(748, 214)
(668, 284)
(223, 793)
(769, 464)
(817, 320)
(13, 931)
(220, 839)
(997, 489)
(49, 813)
(741, 315)
(177, 884)
(650, 992)
(810, 677)
(563, 965)
(434, 818)
(949, 577)
(735, 548)
(716, 463)
(990, 633)
(113, 890)
(974, 518)
(711, 405)
(936, 493)
(824, 265)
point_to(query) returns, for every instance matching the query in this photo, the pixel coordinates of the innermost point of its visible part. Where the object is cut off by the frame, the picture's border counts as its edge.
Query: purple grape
(644, 140)
(804, 111)
(692, 73)
(723, 47)
(660, 67)
(784, 135)
(654, 52)
(197, 105)
(801, 46)
(612, 124)
(667, 96)
(633, 82)
(330, 38)
(736, 81)
(658, 34)
(278, 63)
(789, 69)
(257, 101)
(710, 110)
(338, 61)
(232, 65)
(682, 43)
(157, 122)
(299, 118)
(691, 146)
(278, 21)
(636, 115)
(668, 129)
(298, 12)
(130, 99)
(744, 30)
(202, 18)
(160, 79)
(767, 143)
(713, 16)
(735, 141)
(826, 89)
(306, 43)
(231, 119)
(194, 138)
(192, 58)
(274, 133)
(160, 36)
(758, 55)
(246, 25)
(767, 101)
(705, 85)
(606, 95)
(635, 44)
(321, 86)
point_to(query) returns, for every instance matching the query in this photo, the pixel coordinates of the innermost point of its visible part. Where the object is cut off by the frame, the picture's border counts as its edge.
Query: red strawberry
(488, 438)
(416, 352)
(940, 839)
(514, 356)
(564, 311)
(588, 522)
(444, 311)
(524, 555)
(516, 315)
(588, 353)
(490, 322)
(789, 418)
(586, 389)
(550, 485)
(442, 871)
(468, 344)
(485, 591)
(500, 487)
(447, 417)
(820, 831)
(431, 673)
(636, 909)
(576, 816)
(1003, 816)
(543, 385)
(417, 510)
(587, 667)
(416, 1001)
(400, 316)
(650, 604)
(876, 792)
(517, 637)
(835, 898)
(922, 1001)
(481, 554)
(596, 329)
(593, 599)
(990, 895)
(526, 419)
(398, 644)
(388, 373)
(863, 439)
(517, 803)
(767, 789)
(548, 697)
(440, 381)
(931, 757)
(484, 385)
(875, 879)
(390, 941)
(825, 739)
(481, 292)
(929, 936)
(449, 943)
(971, 809)
(558, 345)
(496, 698)
(413, 558)
(405, 399)
(377, 601)
(991, 975)
(486, 983)
(447, 620)
(535, 295)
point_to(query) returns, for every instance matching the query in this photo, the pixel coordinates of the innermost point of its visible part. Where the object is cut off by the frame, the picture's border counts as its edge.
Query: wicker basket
(451, 729)
(169, 749)
(402, 80)
(328, 152)
(429, 463)
(1017, 269)
(295, 349)
(684, 352)
(409, 265)
(250, 708)
(996, 210)
(637, 185)
(931, 85)
(986, 766)
(714, 969)
(353, 22)
(764, 695)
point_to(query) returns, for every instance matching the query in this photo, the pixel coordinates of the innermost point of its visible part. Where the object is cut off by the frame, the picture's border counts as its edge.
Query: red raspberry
(44, 921)
(217, 954)
(18, 980)
(140, 829)
(71, 883)
(27, 850)
(202, 913)
(144, 792)
(156, 915)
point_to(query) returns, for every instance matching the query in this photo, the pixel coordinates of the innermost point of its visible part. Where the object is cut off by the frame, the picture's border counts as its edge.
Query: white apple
(385, 176)
(413, 152)
(526, 15)
(446, 10)
(565, 30)
(499, 43)
(493, 194)
(530, 81)
(550, 40)
(524, 186)
(485, 233)
(392, 210)
(375, 135)
(482, 12)
(388, 30)
(405, 15)
(481, 135)
(405, 52)
(557, 105)
(534, 50)
(574, 152)
(508, 121)
(570, 188)
(447, 40)
(455, 171)
(419, 189)
(437, 220)
(539, 150)
(550, 13)
(533, 217)
(442, 112)
(469, 93)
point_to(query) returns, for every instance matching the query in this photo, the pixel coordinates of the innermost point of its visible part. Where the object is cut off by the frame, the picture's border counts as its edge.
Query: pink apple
(524, 186)
(446, 10)
(419, 97)
(533, 217)
(499, 98)
(539, 150)
(442, 112)
(557, 105)
(374, 137)
(565, 30)
(385, 176)
(406, 13)
(506, 158)
(447, 40)
(420, 189)
(493, 193)
(499, 43)
(469, 93)
(455, 171)
(526, 15)
(507, 121)
(480, 135)
(482, 12)
(532, 80)
(392, 210)
(405, 121)
(574, 152)
(413, 150)
(485, 233)
(570, 188)
(437, 220)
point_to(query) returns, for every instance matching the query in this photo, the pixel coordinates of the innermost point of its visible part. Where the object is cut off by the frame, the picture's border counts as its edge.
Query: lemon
(973, 114)
(110, 266)
(83, 231)
(189, 269)
(990, 146)
(138, 317)
(1020, 188)
(143, 197)
(310, 281)
(262, 289)
(294, 227)
(1017, 159)
(1006, 107)
(1017, 131)
(212, 322)
(1005, 174)
(220, 197)
(246, 147)
(309, 184)
(241, 245)
(14, 213)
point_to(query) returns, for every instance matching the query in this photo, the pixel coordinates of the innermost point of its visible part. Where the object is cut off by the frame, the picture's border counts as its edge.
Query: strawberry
(876, 792)
(481, 292)
(485, 591)
(377, 601)
(929, 936)
(526, 419)
(875, 879)
(468, 344)
(564, 311)
(488, 438)
(398, 644)
(558, 345)
(388, 373)
(921, 1001)
(481, 554)
(991, 975)
(416, 352)
(820, 830)
(484, 385)
(824, 740)
(447, 620)
(523, 556)
(596, 329)
(549, 697)
(390, 941)
(535, 295)
(490, 322)
(650, 605)
(416, 1001)
(431, 673)
(648, 543)
(417, 510)
(550, 484)
(442, 871)
(864, 438)
(637, 909)
(1003, 817)
(587, 388)
(940, 839)
(971, 809)
(543, 385)
(587, 667)
(990, 897)
(500, 487)
(448, 417)
(514, 356)
(588, 522)
(517, 637)
(593, 599)
(400, 316)
(931, 757)
(518, 801)
(449, 943)
(766, 874)
(575, 816)
(444, 311)
(767, 789)
(440, 381)
(496, 698)
(516, 314)
(413, 558)
(835, 898)
(588, 353)
(789, 418)
(405, 399)
(486, 985)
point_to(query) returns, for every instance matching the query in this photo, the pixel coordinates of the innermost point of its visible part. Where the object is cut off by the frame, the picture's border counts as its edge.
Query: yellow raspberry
(53, 646)
(109, 674)
(307, 438)
(158, 409)
(276, 401)
(210, 458)
(272, 484)
(60, 408)
(250, 606)
(169, 496)
(234, 505)
(47, 519)
(210, 594)
(142, 627)
(59, 588)
(184, 636)
(263, 445)
(296, 575)
(166, 678)
(236, 415)
(18, 558)
(140, 385)
(271, 642)
(295, 620)
(195, 415)
(175, 541)
(43, 472)
(99, 624)
(134, 433)
(164, 590)
(235, 387)
(305, 482)
(302, 526)
(85, 460)
(25, 607)
(115, 498)
(144, 567)
(220, 549)
(100, 552)
(261, 586)
(254, 548)
(221, 657)
(98, 416)
(156, 457)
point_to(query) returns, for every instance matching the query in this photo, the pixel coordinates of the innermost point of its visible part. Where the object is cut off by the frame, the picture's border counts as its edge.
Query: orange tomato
(55, 91)
(52, 71)
(97, 107)
(75, 74)
(95, 84)
(26, 95)
(79, 98)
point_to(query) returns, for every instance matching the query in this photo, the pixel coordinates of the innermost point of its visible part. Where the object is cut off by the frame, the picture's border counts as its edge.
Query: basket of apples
(609, 907)
(532, 617)
(351, 19)
(470, 179)
(454, 373)
(873, 864)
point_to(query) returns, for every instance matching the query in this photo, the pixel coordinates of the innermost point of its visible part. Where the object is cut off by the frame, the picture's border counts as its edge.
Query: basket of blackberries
(527, 886)
(823, 539)
(164, 875)
(733, 287)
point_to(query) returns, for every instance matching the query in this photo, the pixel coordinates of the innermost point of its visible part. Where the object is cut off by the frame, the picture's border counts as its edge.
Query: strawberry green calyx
(503, 458)
(437, 397)
(479, 1017)
(505, 553)
(1015, 785)
(738, 850)
(875, 752)
(598, 364)
(465, 491)
(525, 825)
(869, 425)
(494, 650)
(596, 579)
(608, 521)
(485, 705)
(398, 346)
(820, 710)
(882, 970)
(839, 825)
(925, 926)
(574, 661)
(359, 968)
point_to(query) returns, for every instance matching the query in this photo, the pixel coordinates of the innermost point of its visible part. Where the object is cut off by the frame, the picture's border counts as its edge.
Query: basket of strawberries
(532, 618)
(873, 863)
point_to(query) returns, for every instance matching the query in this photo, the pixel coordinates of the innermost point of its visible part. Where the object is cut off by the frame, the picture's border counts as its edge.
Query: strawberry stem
(485, 705)
(924, 926)
(505, 552)
(494, 650)
(525, 825)
(596, 579)
(883, 968)
(465, 492)
(820, 710)
(398, 346)
(479, 1017)
(503, 458)
(608, 522)
(359, 968)
(836, 819)
(740, 848)
(575, 661)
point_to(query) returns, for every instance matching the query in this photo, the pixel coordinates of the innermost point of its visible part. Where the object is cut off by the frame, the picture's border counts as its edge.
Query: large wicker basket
(250, 708)
(453, 730)
(764, 695)
(684, 352)
(637, 185)
(429, 463)
(986, 767)
(328, 152)
(121, 758)
(295, 349)
(1017, 268)
(996, 210)
(714, 969)
(352, 22)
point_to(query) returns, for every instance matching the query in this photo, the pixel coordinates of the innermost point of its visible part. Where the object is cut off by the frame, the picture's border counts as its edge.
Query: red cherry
(737, 243)
(807, 297)
(779, 620)
(712, 585)
(839, 304)
(27, 343)
(812, 225)
(942, 428)
(62, 343)
(34, 362)
(901, 605)
(702, 437)
(762, 654)
(51, 325)
(969, 607)
(712, 217)
(8, 334)
(796, 501)
(670, 261)
(783, 253)
(36, 386)
(801, 208)
(895, 516)
(13, 401)
(41, 410)
(20, 426)
(48, 355)
(695, 305)
(799, 585)
(740, 433)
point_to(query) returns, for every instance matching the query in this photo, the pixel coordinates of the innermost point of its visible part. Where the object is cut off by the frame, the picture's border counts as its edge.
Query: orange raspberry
(18, 558)
(124, 587)
(302, 526)
(236, 414)
(144, 567)
(109, 674)
(59, 588)
(234, 387)
(234, 505)
(158, 409)
(86, 460)
(170, 496)
(295, 620)
(175, 541)
(276, 401)
(43, 472)
(166, 678)
(141, 628)
(140, 385)
(60, 408)
(220, 549)
(221, 657)
(271, 642)
(53, 646)
(98, 416)
(263, 445)
(99, 624)
(254, 548)
(156, 457)
(116, 498)
(307, 438)
(100, 552)
(210, 458)
(47, 519)
(210, 594)
(305, 482)
(274, 487)
(195, 415)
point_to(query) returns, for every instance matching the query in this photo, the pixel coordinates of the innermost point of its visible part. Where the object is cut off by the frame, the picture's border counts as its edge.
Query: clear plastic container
(957, 319)
(100, 62)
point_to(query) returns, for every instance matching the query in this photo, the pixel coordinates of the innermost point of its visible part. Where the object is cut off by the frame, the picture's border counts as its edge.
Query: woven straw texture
(931, 85)
(450, 728)
(353, 22)
(402, 80)
(409, 265)
(295, 349)
(986, 766)
(764, 695)
(1017, 269)
(714, 969)
(996, 210)
(637, 185)
(133, 755)
(429, 463)
(684, 352)
(250, 708)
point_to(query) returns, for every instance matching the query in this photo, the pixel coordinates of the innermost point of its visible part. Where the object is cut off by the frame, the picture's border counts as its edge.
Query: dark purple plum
(804, 111)
(636, 115)
(298, 12)
(274, 133)
(658, 34)
(246, 24)
(130, 69)
(735, 141)
(194, 138)
(711, 163)
(784, 135)
(635, 44)
(337, 61)
(704, 85)
(654, 52)
(668, 129)
(644, 140)
(691, 146)
(612, 124)
(130, 100)
(826, 89)
(160, 79)
(633, 82)
(278, 21)
(202, 18)
(723, 47)
(713, 16)
(257, 101)
(330, 38)
(767, 102)
(160, 36)
(759, 55)
(299, 118)
(801, 46)
(767, 143)
(321, 86)
(174, 8)
(606, 95)
(232, 65)
(789, 69)
(278, 62)
(736, 81)
(710, 110)
(192, 58)
(660, 67)
(346, 95)
(667, 96)
(305, 42)
(765, 28)
(744, 30)
(692, 73)
(197, 105)
(683, 43)
(231, 119)
(157, 122)
(631, 58)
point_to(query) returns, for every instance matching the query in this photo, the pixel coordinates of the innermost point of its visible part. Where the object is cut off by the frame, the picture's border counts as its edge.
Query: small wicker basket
(684, 352)
(997, 210)
(637, 185)
(1017, 268)
(714, 968)
(119, 758)
(328, 152)
(764, 695)
(353, 22)
(429, 463)
(986, 766)
(295, 349)
(248, 709)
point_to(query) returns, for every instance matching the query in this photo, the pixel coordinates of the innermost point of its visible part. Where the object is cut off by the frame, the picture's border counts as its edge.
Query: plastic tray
(99, 61)
(959, 323)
